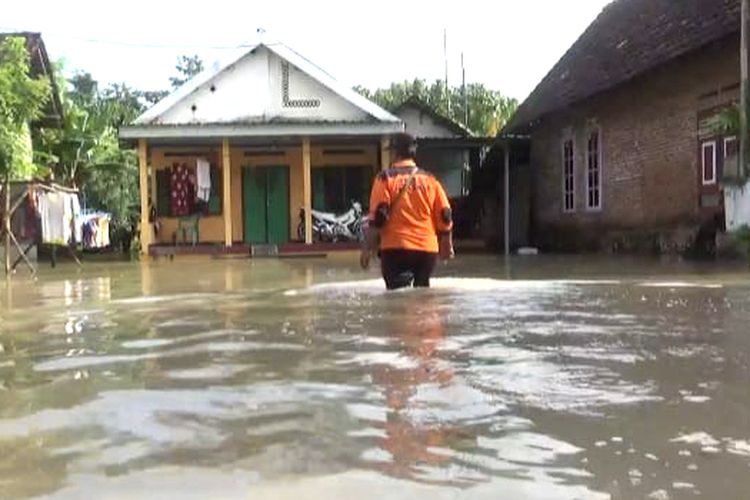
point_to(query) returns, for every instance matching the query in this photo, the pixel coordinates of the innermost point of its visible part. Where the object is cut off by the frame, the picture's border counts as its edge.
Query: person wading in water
(410, 220)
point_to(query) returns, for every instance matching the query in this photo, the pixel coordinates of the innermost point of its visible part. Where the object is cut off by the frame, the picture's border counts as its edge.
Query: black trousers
(404, 268)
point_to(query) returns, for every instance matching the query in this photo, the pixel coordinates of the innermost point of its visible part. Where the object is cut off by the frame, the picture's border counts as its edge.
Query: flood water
(543, 378)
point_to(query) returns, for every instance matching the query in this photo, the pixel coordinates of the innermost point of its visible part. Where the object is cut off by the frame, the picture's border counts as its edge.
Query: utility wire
(120, 43)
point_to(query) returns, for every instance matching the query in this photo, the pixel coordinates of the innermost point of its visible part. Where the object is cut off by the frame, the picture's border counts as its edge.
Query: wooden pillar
(385, 153)
(146, 230)
(226, 166)
(506, 198)
(307, 186)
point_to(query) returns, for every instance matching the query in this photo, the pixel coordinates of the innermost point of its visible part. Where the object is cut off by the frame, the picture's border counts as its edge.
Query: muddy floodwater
(303, 379)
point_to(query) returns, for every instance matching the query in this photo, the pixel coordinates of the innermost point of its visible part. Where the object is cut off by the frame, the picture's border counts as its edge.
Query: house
(41, 67)
(449, 150)
(622, 153)
(279, 134)
(22, 226)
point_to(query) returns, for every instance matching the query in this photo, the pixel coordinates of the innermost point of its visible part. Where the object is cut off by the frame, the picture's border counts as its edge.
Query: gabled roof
(150, 117)
(41, 66)
(450, 124)
(627, 39)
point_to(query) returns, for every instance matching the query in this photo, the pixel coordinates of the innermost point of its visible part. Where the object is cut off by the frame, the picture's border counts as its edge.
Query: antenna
(445, 57)
(465, 92)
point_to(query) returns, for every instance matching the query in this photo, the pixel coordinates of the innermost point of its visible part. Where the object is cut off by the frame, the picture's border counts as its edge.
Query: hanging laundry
(52, 212)
(203, 174)
(182, 191)
(95, 230)
(76, 219)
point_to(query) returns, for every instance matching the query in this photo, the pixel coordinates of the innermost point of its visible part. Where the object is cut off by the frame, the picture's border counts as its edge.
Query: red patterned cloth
(182, 196)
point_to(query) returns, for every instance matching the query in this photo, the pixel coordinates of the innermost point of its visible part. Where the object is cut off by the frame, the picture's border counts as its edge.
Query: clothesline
(54, 188)
(47, 186)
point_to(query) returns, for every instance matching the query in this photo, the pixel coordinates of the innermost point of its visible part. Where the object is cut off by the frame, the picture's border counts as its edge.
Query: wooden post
(385, 153)
(146, 236)
(506, 198)
(226, 168)
(307, 186)
(6, 222)
(744, 170)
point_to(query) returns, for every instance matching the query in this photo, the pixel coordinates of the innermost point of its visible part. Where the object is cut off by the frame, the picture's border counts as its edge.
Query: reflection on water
(304, 379)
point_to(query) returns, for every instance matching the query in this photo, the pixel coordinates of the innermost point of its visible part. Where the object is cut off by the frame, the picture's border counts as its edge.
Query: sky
(508, 45)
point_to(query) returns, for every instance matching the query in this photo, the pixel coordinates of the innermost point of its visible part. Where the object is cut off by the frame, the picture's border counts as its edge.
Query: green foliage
(488, 110)
(85, 152)
(187, 67)
(727, 122)
(22, 99)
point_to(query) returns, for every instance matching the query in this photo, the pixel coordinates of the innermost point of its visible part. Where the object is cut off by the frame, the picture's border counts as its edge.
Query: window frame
(727, 140)
(568, 140)
(713, 143)
(599, 171)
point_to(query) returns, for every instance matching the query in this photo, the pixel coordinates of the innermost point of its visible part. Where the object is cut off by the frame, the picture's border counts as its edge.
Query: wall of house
(421, 125)
(447, 165)
(252, 89)
(737, 202)
(649, 154)
(212, 227)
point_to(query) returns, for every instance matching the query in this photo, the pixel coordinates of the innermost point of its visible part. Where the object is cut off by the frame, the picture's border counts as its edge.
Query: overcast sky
(508, 45)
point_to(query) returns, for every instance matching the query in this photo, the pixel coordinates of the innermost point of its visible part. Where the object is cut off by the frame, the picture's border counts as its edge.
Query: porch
(257, 205)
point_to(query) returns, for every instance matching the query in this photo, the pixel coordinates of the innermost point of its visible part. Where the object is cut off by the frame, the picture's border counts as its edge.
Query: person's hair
(404, 146)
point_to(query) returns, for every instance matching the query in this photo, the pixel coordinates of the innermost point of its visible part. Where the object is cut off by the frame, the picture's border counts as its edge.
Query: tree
(85, 152)
(187, 67)
(488, 110)
(22, 100)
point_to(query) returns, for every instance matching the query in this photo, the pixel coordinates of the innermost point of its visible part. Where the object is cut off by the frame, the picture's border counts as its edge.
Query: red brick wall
(648, 136)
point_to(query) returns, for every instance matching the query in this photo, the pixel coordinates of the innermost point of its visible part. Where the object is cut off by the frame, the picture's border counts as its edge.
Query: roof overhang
(257, 131)
(455, 142)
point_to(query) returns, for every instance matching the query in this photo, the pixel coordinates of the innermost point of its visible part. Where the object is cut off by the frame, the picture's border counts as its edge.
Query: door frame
(288, 197)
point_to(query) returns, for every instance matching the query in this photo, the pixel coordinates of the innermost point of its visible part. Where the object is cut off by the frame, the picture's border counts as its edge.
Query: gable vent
(293, 103)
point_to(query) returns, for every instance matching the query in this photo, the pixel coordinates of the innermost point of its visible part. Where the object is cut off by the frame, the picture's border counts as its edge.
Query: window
(730, 146)
(569, 174)
(335, 188)
(708, 162)
(593, 172)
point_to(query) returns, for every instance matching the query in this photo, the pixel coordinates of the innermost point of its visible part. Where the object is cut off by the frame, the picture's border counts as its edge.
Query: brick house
(621, 155)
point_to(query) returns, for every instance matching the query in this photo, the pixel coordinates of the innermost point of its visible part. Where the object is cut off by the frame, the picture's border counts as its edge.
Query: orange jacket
(421, 213)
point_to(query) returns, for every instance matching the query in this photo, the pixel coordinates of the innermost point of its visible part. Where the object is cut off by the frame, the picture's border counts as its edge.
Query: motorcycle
(331, 228)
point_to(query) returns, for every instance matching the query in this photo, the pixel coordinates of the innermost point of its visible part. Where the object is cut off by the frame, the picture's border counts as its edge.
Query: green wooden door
(254, 197)
(266, 205)
(277, 205)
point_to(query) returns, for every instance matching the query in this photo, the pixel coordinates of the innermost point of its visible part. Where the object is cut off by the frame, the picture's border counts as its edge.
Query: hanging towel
(203, 171)
(52, 213)
(77, 220)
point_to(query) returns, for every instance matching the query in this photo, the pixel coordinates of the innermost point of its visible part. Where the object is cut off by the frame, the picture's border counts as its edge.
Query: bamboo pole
(6, 223)
(743, 170)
